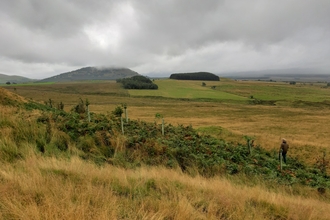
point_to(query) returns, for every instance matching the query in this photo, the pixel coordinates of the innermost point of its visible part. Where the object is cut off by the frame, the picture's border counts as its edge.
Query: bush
(118, 111)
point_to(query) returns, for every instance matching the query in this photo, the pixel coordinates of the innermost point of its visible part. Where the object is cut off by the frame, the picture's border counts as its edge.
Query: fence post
(122, 124)
(126, 114)
(281, 158)
(163, 126)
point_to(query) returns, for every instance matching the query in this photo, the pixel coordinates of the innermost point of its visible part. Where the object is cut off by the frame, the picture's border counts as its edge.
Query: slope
(92, 73)
(13, 79)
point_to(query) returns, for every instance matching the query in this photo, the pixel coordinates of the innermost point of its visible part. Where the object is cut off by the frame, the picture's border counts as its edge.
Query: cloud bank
(41, 38)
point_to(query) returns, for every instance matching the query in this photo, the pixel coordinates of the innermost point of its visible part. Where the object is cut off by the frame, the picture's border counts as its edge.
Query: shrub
(118, 111)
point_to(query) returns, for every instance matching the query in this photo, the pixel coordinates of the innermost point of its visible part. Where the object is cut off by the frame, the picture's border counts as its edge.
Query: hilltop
(92, 73)
(13, 79)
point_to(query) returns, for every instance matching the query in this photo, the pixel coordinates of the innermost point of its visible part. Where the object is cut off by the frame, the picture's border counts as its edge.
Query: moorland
(44, 177)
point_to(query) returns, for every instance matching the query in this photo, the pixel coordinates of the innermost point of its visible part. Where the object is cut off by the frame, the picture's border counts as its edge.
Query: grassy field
(300, 113)
(61, 185)
(187, 90)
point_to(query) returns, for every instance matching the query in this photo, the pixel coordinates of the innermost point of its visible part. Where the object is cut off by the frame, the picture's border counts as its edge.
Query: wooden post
(281, 159)
(163, 126)
(126, 115)
(122, 124)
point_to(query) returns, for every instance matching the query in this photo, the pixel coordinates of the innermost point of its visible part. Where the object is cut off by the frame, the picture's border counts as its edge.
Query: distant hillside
(195, 76)
(92, 73)
(294, 74)
(13, 79)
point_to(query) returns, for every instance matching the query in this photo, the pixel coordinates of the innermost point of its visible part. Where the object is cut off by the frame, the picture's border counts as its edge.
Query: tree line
(137, 82)
(195, 76)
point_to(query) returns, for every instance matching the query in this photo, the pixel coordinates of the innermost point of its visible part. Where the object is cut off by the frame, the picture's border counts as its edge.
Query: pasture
(223, 109)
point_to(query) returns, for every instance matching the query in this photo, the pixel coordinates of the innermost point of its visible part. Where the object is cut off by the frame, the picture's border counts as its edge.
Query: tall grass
(52, 188)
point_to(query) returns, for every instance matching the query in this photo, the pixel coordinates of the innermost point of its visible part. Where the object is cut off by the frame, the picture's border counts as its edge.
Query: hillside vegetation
(58, 164)
(92, 73)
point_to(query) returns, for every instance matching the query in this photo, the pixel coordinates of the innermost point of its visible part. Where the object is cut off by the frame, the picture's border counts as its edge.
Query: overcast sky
(42, 38)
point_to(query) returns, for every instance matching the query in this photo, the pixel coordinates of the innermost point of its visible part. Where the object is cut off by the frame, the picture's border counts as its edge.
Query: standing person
(284, 149)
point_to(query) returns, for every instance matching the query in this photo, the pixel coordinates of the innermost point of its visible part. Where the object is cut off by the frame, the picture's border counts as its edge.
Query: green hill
(92, 73)
(13, 79)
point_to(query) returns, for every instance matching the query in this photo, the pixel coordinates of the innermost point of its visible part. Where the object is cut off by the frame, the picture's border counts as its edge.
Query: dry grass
(49, 188)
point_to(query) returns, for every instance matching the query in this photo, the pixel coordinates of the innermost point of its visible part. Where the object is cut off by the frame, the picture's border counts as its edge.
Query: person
(284, 149)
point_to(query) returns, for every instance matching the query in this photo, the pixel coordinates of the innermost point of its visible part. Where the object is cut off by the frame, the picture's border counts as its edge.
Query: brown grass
(49, 188)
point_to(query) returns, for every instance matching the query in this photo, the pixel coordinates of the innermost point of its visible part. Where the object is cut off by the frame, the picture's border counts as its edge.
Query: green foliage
(118, 111)
(137, 82)
(80, 107)
(195, 76)
(143, 143)
(36, 106)
(158, 116)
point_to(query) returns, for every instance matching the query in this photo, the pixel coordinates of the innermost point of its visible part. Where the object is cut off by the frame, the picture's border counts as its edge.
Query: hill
(9, 98)
(195, 76)
(92, 73)
(13, 79)
(294, 74)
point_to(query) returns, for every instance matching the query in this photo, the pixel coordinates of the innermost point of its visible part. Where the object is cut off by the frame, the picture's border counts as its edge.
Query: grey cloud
(164, 36)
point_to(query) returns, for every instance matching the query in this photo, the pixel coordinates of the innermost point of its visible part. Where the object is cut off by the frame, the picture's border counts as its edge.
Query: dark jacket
(284, 147)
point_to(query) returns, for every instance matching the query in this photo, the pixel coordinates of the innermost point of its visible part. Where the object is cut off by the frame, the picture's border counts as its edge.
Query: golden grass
(49, 188)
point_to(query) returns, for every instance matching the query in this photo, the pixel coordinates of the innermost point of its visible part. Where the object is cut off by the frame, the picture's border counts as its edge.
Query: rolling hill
(13, 79)
(92, 73)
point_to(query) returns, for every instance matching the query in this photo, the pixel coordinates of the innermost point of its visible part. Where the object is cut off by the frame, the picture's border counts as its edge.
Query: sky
(43, 38)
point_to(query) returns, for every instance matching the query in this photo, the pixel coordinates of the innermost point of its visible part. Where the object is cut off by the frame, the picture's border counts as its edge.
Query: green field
(238, 91)
(187, 90)
(278, 91)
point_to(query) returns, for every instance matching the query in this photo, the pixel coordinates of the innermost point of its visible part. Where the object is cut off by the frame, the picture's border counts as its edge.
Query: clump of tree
(195, 76)
(137, 82)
